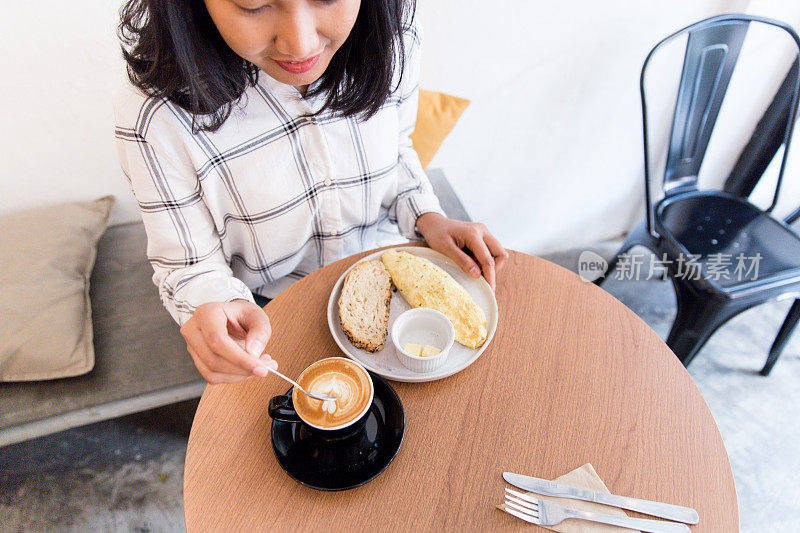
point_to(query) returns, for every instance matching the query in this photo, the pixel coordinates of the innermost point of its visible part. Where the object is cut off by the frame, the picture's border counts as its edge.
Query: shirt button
(328, 182)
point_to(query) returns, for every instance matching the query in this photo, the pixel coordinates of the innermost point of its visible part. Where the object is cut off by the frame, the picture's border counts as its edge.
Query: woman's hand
(450, 236)
(226, 341)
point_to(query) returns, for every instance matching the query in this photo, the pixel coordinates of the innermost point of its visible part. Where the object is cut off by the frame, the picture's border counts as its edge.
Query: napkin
(584, 477)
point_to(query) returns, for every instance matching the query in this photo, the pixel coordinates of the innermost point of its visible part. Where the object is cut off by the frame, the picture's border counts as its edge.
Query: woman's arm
(417, 206)
(182, 243)
(415, 195)
(219, 320)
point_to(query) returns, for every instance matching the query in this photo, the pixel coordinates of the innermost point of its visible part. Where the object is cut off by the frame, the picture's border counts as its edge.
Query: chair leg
(783, 337)
(698, 317)
(637, 237)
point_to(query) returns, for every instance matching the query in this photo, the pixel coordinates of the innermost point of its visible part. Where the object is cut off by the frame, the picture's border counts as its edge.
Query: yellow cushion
(436, 117)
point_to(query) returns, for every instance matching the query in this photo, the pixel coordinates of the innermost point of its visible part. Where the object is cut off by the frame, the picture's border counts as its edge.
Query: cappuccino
(338, 377)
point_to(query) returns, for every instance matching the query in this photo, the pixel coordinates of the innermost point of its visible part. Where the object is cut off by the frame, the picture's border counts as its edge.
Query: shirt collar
(289, 94)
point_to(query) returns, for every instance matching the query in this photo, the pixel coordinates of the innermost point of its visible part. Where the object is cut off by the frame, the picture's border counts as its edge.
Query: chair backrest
(713, 47)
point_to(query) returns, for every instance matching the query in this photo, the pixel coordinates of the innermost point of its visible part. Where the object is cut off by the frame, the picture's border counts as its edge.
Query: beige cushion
(46, 258)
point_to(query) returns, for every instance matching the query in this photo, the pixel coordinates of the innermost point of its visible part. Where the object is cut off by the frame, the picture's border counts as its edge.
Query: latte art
(329, 406)
(341, 378)
(334, 385)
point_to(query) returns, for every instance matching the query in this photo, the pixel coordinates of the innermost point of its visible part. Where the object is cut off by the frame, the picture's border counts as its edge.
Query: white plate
(385, 362)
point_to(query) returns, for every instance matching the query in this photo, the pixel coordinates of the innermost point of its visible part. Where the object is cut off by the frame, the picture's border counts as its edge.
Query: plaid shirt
(272, 195)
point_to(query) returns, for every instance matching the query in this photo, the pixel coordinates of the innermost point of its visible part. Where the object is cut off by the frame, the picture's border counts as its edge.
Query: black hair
(173, 50)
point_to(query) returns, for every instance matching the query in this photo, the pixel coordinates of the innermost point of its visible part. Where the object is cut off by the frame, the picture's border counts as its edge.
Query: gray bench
(140, 357)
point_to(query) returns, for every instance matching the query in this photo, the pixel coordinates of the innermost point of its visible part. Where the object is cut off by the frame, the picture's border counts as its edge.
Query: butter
(413, 349)
(429, 351)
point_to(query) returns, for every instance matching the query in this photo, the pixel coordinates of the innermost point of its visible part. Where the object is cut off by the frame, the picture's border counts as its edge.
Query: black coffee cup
(282, 408)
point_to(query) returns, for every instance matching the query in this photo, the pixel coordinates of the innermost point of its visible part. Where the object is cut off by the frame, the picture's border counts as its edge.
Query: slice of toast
(364, 305)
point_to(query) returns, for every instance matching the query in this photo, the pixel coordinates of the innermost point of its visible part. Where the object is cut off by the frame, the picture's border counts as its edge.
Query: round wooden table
(572, 376)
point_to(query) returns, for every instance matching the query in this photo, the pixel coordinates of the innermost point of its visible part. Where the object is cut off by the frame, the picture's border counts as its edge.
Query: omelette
(423, 284)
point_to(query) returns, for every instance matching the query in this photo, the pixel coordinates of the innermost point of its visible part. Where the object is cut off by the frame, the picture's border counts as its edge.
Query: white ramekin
(422, 326)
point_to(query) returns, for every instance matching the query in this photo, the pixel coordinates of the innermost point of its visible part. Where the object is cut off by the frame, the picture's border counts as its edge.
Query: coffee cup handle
(281, 408)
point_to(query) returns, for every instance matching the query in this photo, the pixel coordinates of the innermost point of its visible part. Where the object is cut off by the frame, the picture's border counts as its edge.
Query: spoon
(316, 396)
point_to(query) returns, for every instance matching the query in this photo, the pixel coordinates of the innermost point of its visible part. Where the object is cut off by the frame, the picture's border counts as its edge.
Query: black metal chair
(695, 231)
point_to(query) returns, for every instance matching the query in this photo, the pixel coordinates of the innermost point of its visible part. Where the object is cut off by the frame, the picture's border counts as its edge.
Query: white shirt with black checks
(272, 195)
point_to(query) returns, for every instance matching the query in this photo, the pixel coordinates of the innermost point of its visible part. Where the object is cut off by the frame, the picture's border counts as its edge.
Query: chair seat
(736, 246)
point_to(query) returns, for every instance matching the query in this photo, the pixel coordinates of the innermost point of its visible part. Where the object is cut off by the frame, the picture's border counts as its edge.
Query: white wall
(60, 64)
(548, 154)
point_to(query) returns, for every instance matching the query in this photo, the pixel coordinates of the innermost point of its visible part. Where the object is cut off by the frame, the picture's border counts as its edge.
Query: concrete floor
(127, 474)
(124, 474)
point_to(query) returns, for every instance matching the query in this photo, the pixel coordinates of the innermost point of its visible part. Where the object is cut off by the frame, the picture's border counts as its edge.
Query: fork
(545, 513)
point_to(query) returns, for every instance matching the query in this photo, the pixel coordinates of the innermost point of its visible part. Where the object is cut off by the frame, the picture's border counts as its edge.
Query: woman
(264, 139)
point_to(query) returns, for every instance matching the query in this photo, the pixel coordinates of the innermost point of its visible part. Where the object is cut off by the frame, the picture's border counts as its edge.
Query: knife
(551, 488)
